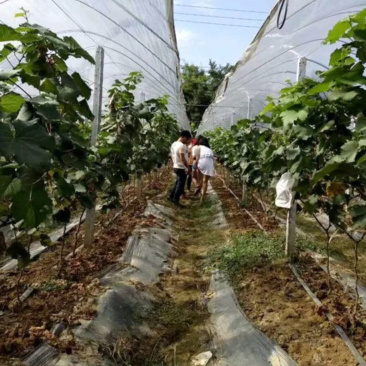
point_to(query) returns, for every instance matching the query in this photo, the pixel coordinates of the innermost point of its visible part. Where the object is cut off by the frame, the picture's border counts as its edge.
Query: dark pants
(178, 189)
(189, 179)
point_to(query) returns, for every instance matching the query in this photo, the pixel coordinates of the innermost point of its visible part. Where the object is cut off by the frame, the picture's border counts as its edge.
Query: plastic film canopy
(273, 58)
(137, 35)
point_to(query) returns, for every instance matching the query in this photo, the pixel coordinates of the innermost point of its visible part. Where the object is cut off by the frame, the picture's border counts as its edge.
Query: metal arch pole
(139, 179)
(232, 118)
(97, 111)
(301, 68)
(248, 109)
(245, 188)
(291, 213)
(249, 106)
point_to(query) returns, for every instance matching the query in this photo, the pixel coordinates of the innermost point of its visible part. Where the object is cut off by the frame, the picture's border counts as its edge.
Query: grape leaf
(11, 102)
(8, 34)
(349, 151)
(321, 88)
(85, 91)
(358, 214)
(9, 186)
(338, 31)
(9, 74)
(32, 206)
(28, 142)
(63, 216)
(17, 251)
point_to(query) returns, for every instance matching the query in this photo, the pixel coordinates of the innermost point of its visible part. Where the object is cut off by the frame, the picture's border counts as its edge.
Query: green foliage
(199, 88)
(18, 252)
(142, 133)
(246, 251)
(315, 129)
(238, 149)
(47, 167)
(55, 285)
(41, 139)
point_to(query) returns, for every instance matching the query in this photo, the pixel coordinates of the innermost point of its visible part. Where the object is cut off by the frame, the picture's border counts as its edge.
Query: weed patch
(246, 251)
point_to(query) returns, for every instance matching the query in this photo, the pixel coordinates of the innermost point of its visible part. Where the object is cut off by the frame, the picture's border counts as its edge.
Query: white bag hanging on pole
(284, 193)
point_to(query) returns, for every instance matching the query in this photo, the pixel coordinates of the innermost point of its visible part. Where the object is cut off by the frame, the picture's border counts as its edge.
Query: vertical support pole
(142, 97)
(244, 193)
(249, 106)
(139, 187)
(291, 213)
(139, 179)
(232, 118)
(301, 68)
(227, 177)
(97, 111)
(291, 231)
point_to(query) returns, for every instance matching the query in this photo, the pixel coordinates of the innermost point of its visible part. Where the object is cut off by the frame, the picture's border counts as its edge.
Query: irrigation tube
(329, 316)
(243, 208)
(248, 111)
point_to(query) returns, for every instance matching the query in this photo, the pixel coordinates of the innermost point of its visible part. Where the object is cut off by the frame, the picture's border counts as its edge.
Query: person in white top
(195, 155)
(190, 163)
(180, 165)
(205, 165)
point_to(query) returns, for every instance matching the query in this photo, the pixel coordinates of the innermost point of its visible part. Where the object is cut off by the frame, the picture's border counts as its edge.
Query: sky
(200, 42)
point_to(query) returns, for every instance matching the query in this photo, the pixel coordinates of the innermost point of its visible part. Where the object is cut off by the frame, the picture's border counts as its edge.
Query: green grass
(303, 244)
(252, 249)
(246, 251)
(341, 248)
(203, 212)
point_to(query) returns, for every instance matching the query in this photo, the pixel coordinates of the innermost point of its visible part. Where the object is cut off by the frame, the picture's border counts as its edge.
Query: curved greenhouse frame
(273, 57)
(136, 35)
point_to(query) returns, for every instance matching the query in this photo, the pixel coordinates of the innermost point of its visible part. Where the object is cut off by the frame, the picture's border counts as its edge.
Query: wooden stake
(139, 188)
(291, 213)
(97, 111)
(244, 193)
(291, 231)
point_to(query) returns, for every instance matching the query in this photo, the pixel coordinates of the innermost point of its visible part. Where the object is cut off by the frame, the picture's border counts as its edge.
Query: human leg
(181, 182)
(172, 192)
(205, 180)
(189, 180)
(199, 182)
(195, 175)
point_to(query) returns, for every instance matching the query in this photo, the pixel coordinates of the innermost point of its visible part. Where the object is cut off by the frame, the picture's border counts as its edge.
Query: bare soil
(67, 295)
(270, 294)
(275, 301)
(235, 213)
(180, 315)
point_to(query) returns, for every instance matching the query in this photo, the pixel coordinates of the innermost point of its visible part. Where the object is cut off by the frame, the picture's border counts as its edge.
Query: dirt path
(182, 317)
(275, 301)
(68, 298)
(198, 312)
(191, 311)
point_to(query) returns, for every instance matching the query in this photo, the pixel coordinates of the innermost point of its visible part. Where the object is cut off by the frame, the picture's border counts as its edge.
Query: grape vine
(316, 130)
(48, 170)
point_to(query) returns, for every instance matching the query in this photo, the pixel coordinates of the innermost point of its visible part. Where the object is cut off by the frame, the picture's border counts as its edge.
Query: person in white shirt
(196, 173)
(205, 165)
(180, 166)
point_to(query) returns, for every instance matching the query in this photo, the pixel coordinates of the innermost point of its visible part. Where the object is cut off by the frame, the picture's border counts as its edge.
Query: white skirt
(206, 166)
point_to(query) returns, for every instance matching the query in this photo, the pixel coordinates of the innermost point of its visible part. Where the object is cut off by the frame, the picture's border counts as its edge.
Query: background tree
(200, 86)
(217, 74)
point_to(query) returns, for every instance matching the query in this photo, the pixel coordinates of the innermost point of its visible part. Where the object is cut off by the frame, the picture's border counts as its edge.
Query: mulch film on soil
(276, 302)
(69, 295)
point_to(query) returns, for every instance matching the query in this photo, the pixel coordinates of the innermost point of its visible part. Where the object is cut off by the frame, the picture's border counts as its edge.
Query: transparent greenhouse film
(274, 55)
(137, 35)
